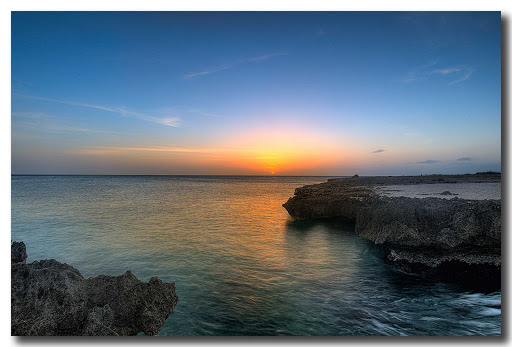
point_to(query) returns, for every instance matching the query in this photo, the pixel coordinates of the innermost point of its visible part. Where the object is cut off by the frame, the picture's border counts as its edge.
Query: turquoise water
(241, 265)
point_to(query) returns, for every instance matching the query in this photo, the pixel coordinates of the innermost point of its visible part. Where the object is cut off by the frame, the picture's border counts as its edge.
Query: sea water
(241, 265)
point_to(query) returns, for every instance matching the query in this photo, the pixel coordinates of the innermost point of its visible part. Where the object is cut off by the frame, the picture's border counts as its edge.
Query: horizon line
(242, 175)
(17, 174)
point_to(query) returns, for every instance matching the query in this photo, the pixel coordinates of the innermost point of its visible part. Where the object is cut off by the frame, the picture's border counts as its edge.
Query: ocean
(241, 265)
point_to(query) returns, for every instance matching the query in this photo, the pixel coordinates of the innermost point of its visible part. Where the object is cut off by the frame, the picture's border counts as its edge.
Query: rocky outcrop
(52, 298)
(18, 252)
(420, 233)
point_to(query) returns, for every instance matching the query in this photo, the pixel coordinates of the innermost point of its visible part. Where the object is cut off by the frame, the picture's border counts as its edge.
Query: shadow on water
(335, 224)
(461, 277)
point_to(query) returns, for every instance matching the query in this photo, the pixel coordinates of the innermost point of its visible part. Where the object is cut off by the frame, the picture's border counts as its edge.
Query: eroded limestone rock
(52, 298)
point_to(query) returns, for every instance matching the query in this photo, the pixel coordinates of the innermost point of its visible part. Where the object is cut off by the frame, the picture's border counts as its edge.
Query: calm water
(241, 265)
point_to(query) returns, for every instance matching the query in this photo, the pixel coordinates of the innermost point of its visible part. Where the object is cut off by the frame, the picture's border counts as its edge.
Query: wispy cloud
(467, 75)
(207, 72)
(33, 115)
(266, 56)
(379, 151)
(112, 149)
(229, 66)
(101, 150)
(429, 65)
(443, 71)
(46, 122)
(421, 73)
(418, 73)
(68, 128)
(430, 161)
(169, 121)
(465, 159)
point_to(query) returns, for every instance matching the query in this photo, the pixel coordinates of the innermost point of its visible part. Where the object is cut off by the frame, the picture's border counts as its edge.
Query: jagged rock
(420, 233)
(52, 298)
(18, 252)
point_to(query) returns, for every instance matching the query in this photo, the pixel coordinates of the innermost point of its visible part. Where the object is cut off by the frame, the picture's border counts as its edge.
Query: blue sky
(301, 93)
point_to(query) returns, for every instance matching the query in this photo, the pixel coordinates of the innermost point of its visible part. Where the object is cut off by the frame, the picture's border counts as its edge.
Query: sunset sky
(256, 93)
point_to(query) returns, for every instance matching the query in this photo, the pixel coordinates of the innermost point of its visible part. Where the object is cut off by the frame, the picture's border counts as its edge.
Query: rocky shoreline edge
(49, 298)
(460, 238)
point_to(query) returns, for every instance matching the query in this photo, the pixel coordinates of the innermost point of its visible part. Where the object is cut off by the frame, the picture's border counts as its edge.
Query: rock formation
(420, 233)
(52, 298)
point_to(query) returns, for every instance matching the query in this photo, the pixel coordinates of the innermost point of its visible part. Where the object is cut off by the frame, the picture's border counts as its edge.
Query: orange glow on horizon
(272, 152)
(282, 151)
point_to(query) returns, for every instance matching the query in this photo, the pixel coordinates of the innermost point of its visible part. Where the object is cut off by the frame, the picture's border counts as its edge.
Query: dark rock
(52, 298)
(419, 232)
(18, 252)
(447, 192)
(355, 176)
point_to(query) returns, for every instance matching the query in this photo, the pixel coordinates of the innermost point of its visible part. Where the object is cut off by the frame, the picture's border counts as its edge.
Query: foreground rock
(462, 236)
(52, 298)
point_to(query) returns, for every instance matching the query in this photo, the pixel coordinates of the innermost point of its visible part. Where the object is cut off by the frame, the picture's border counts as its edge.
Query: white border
(218, 5)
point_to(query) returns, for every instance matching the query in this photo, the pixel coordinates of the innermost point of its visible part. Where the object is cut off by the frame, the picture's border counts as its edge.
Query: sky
(255, 93)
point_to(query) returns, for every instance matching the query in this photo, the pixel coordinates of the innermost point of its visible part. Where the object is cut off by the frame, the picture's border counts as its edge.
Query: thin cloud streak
(207, 72)
(379, 151)
(428, 65)
(117, 149)
(465, 77)
(66, 129)
(425, 72)
(170, 121)
(110, 149)
(40, 120)
(229, 66)
(267, 56)
(444, 71)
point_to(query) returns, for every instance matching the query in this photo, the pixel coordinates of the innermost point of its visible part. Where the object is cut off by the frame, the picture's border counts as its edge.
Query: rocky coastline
(457, 236)
(49, 298)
